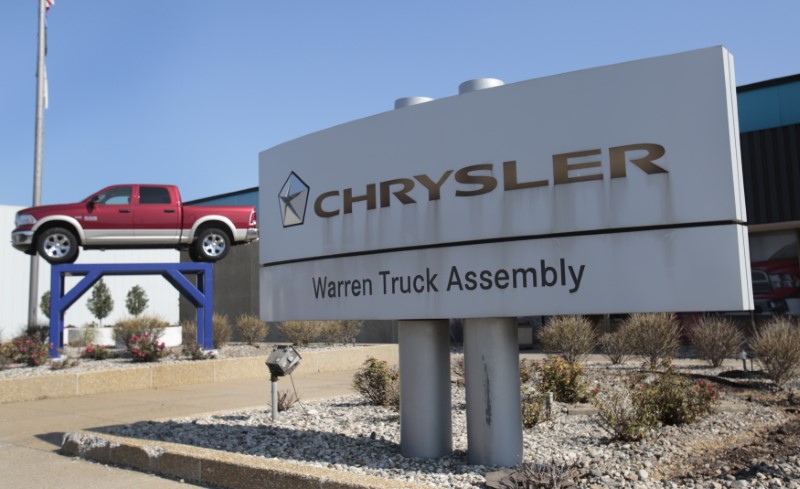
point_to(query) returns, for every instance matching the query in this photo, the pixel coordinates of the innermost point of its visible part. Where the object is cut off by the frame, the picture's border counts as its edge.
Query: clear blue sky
(188, 92)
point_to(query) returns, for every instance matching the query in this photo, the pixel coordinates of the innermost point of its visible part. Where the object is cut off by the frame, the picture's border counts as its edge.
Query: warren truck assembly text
(388, 283)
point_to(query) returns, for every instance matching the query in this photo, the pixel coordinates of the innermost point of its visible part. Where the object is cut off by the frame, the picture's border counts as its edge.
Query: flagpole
(33, 290)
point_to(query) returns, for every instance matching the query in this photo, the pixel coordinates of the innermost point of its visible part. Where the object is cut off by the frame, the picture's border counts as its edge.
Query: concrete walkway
(31, 432)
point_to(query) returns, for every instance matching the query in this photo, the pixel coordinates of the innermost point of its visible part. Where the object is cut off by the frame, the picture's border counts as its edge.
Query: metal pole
(33, 290)
(274, 383)
(494, 414)
(425, 414)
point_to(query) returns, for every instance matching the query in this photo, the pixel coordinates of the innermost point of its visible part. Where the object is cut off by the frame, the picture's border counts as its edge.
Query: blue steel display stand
(175, 273)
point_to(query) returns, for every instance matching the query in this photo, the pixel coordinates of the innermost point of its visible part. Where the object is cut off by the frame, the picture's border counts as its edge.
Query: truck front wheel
(57, 245)
(212, 244)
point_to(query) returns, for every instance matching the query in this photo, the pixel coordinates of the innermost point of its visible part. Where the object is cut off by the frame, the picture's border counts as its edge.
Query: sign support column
(425, 422)
(494, 413)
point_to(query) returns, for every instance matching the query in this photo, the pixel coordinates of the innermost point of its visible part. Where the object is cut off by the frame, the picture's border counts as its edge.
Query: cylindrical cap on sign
(409, 101)
(479, 84)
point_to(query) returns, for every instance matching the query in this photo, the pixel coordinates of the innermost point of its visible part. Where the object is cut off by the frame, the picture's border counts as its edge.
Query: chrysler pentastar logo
(292, 201)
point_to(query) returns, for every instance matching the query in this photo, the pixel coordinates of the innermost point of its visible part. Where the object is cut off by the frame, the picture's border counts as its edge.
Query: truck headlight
(24, 219)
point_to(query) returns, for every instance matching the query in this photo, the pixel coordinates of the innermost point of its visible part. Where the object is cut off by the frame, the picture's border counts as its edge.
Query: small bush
(146, 348)
(95, 352)
(573, 337)
(193, 351)
(348, 330)
(5, 354)
(534, 409)
(616, 346)
(624, 413)
(30, 350)
(39, 332)
(221, 333)
(328, 332)
(677, 400)
(457, 369)
(64, 364)
(251, 328)
(300, 333)
(285, 401)
(715, 339)
(654, 337)
(528, 372)
(188, 333)
(126, 329)
(550, 475)
(565, 380)
(630, 412)
(777, 349)
(378, 383)
(342, 331)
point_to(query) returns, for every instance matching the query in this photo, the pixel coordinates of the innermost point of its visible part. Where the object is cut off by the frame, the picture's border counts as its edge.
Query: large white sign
(562, 173)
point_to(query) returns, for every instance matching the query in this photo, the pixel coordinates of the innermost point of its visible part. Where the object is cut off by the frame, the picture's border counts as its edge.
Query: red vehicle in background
(133, 216)
(776, 282)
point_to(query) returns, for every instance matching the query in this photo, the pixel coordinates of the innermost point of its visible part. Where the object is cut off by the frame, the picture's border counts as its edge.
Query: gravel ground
(346, 434)
(121, 360)
(756, 447)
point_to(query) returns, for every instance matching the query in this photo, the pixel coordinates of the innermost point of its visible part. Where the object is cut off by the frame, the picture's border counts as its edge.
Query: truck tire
(212, 244)
(57, 246)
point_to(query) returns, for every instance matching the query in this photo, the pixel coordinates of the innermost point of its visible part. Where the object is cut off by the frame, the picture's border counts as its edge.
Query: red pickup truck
(133, 216)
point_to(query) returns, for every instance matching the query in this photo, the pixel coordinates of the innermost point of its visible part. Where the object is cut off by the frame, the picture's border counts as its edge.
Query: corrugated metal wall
(771, 168)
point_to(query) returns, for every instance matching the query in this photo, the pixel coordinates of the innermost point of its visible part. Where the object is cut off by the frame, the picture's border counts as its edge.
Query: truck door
(109, 217)
(156, 218)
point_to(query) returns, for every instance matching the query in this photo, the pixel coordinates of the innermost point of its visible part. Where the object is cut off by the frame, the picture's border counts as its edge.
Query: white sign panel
(604, 273)
(637, 149)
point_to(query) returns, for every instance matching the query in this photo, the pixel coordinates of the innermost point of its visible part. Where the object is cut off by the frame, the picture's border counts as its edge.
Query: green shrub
(777, 349)
(193, 351)
(565, 380)
(534, 408)
(715, 339)
(30, 350)
(146, 348)
(616, 346)
(573, 337)
(378, 383)
(654, 337)
(126, 329)
(631, 411)
(677, 400)
(301, 333)
(251, 328)
(95, 352)
(39, 332)
(221, 333)
(528, 372)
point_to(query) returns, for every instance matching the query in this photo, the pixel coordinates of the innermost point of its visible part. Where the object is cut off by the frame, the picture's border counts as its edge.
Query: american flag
(48, 4)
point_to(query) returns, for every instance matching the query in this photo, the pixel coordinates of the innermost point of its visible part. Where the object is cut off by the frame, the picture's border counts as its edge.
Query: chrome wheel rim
(57, 245)
(213, 244)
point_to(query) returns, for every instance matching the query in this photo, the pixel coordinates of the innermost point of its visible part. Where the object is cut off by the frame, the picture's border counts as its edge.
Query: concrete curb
(163, 375)
(214, 467)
